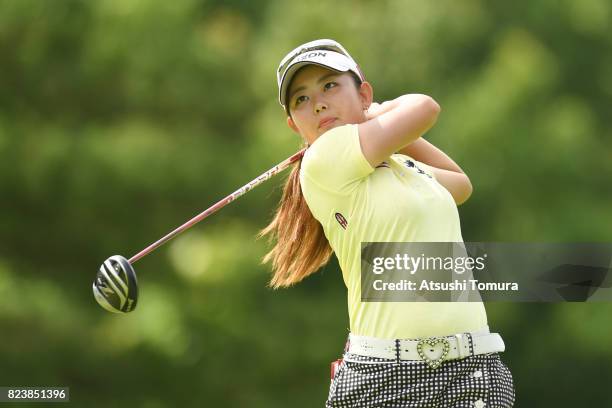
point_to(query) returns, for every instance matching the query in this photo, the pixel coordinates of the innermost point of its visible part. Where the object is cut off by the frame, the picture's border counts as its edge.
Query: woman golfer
(369, 176)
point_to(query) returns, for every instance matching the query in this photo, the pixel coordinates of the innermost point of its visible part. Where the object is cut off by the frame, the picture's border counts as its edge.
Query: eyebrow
(323, 78)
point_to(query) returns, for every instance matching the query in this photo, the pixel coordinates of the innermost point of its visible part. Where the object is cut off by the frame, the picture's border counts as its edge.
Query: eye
(329, 85)
(300, 99)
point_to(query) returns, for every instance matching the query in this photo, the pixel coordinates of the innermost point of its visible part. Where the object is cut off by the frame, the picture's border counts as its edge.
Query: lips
(326, 121)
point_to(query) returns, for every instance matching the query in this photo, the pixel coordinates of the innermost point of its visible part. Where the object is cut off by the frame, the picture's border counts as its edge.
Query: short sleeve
(335, 160)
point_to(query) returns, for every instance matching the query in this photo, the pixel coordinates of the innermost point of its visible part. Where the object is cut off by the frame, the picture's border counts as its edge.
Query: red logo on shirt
(341, 220)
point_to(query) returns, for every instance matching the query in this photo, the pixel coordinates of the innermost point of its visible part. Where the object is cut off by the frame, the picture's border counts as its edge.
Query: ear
(366, 94)
(292, 125)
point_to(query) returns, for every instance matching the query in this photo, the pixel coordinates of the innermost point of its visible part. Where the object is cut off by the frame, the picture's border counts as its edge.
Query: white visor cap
(326, 53)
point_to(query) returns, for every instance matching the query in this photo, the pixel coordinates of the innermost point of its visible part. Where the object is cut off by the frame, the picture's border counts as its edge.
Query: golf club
(116, 288)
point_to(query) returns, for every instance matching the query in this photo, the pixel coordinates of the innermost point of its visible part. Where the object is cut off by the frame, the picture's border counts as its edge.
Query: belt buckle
(432, 341)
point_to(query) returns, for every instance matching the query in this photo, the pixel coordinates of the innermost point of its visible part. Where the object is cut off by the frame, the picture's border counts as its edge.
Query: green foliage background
(120, 119)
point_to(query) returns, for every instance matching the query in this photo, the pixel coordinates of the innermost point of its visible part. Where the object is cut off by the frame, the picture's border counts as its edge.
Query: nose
(320, 106)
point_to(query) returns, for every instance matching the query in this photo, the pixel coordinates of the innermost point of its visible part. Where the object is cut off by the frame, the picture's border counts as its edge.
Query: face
(321, 99)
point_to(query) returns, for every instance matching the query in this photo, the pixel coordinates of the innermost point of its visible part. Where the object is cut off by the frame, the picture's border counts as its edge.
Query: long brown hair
(301, 246)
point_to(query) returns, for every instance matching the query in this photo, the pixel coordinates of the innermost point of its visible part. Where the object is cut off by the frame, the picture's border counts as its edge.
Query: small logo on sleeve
(341, 220)
(410, 163)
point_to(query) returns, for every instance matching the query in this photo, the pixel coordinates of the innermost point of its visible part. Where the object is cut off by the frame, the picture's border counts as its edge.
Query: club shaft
(220, 204)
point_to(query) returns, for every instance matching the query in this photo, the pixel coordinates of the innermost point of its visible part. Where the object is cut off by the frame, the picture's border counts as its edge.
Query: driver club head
(115, 287)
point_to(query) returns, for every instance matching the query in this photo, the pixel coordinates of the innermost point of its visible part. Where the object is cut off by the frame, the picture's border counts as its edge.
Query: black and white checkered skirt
(476, 381)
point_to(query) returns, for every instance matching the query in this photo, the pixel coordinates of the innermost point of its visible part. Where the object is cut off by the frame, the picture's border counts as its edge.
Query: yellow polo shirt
(399, 201)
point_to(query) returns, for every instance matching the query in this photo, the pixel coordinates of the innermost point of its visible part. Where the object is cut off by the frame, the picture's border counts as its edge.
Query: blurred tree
(121, 119)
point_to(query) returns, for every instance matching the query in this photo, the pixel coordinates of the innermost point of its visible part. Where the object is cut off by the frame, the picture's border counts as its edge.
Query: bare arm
(425, 152)
(447, 172)
(458, 184)
(395, 124)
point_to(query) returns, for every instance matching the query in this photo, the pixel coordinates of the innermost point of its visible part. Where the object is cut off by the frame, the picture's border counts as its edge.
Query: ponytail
(301, 247)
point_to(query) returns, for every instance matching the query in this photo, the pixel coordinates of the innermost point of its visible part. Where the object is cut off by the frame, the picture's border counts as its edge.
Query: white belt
(432, 350)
